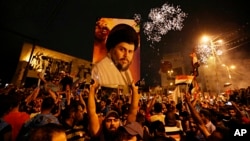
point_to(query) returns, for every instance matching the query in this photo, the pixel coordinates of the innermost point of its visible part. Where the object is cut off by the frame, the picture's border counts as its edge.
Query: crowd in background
(62, 110)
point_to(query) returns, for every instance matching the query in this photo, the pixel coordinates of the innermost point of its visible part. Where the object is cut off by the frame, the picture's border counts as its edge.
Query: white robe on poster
(106, 73)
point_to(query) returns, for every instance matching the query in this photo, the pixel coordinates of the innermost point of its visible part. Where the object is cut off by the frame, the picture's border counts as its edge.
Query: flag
(195, 64)
(183, 79)
(176, 94)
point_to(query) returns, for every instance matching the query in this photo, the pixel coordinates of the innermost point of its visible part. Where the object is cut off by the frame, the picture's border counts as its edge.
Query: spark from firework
(162, 20)
(204, 51)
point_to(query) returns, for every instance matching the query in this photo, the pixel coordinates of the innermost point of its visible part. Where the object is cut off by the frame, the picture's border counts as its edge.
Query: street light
(170, 77)
(232, 67)
(170, 72)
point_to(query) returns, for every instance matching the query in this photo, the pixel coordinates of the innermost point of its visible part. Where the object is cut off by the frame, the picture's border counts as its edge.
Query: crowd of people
(93, 113)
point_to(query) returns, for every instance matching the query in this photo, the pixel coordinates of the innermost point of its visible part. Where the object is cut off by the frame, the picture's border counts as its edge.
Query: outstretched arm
(82, 100)
(41, 76)
(133, 109)
(196, 117)
(237, 109)
(151, 103)
(94, 125)
(32, 96)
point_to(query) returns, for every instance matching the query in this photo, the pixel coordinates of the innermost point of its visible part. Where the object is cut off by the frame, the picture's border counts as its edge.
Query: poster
(102, 30)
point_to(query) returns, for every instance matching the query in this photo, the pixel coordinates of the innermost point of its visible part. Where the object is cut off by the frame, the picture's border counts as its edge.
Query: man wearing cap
(108, 129)
(132, 131)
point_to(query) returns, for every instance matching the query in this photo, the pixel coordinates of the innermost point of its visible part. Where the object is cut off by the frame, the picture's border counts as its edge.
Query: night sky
(67, 26)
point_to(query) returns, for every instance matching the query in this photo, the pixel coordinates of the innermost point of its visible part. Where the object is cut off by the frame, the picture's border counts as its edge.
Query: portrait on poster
(116, 52)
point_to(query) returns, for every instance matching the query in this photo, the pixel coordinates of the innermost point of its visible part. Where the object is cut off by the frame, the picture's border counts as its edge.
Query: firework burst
(204, 51)
(209, 49)
(162, 20)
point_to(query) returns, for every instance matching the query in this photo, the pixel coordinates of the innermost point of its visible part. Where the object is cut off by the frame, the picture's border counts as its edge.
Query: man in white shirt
(113, 70)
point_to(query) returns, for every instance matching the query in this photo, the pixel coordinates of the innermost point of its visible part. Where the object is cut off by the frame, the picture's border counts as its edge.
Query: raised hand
(187, 97)
(94, 85)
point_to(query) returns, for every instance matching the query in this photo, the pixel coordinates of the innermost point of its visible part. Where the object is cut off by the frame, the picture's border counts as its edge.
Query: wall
(46, 60)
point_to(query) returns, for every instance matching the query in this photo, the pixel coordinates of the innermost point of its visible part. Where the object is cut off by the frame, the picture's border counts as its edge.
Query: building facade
(34, 59)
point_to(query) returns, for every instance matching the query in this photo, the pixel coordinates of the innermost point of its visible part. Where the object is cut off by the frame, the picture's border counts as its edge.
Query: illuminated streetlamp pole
(216, 67)
(211, 45)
